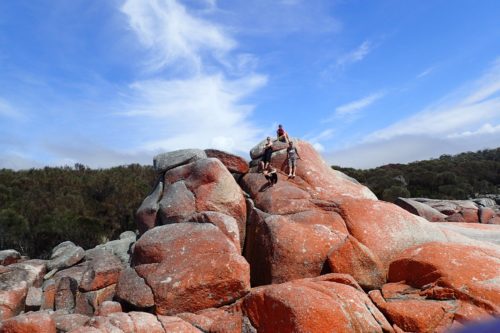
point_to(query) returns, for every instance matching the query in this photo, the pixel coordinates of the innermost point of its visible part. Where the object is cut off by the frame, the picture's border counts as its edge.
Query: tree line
(39, 208)
(459, 176)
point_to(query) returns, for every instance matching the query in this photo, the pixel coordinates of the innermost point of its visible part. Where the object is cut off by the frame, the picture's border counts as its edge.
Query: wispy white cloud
(425, 72)
(358, 105)
(203, 108)
(175, 36)
(352, 109)
(472, 105)
(200, 112)
(356, 55)
(464, 120)
(485, 129)
(315, 140)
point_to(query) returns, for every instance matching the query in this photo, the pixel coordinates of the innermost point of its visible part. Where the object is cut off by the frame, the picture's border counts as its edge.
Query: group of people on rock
(292, 153)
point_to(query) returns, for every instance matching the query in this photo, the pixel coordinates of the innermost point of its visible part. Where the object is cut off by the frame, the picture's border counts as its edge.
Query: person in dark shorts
(266, 157)
(271, 175)
(292, 155)
(281, 134)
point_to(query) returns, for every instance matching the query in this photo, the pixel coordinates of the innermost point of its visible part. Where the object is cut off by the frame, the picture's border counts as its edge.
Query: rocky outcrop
(221, 251)
(479, 210)
(194, 192)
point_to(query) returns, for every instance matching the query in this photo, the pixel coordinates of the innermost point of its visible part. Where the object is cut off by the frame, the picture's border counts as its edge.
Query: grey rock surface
(65, 255)
(8, 257)
(166, 161)
(33, 299)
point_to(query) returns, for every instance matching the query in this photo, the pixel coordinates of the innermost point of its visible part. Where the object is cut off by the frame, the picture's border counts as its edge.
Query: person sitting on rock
(271, 175)
(266, 157)
(292, 155)
(281, 134)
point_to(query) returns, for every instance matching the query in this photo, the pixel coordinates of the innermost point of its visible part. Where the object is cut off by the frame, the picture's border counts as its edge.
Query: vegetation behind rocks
(39, 208)
(459, 176)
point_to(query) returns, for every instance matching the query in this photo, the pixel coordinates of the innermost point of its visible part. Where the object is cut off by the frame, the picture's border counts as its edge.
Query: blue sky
(114, 82)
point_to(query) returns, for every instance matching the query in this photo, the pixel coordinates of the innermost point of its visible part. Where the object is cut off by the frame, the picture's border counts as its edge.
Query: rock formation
(222, 251)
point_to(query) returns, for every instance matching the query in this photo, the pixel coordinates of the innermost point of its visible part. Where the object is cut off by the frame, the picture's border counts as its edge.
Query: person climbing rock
(281, 134)
(292, 155)
(266, 157)
(271, 175)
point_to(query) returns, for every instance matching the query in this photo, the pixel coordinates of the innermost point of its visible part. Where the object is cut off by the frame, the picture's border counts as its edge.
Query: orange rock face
(352, 257)
(33, 322)
(312, 306)
(232, 162)
(469, 272)
(182, 265)
(280, 249)
(386, 229)
(415, 315)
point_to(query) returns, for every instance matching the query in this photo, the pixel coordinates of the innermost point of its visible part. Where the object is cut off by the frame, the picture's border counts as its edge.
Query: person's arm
(297, 152)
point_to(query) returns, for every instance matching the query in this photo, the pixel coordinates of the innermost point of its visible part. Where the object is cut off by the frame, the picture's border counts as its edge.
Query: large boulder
(293, 226)
(481, 232)
(314, 175)
(470, 273)
(189, 267)
(285, 248)
(421, 209)
(188, 190)
(353, 258)
(387, 229)
(415, 314)
(313, 305)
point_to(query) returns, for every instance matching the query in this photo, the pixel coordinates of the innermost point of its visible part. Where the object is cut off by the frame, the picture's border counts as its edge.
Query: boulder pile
(219, 250)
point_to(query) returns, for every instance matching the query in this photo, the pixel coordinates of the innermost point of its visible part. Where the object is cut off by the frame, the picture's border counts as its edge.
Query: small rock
(8, 257)
(132, 289)
(69, 322)
(108, 307)
(33, 299)
(65, 294)
(103, 270)
(65, 255)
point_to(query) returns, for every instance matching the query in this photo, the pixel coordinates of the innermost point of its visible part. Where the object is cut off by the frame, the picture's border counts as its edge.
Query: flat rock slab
(65, 255)
(166, 161)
